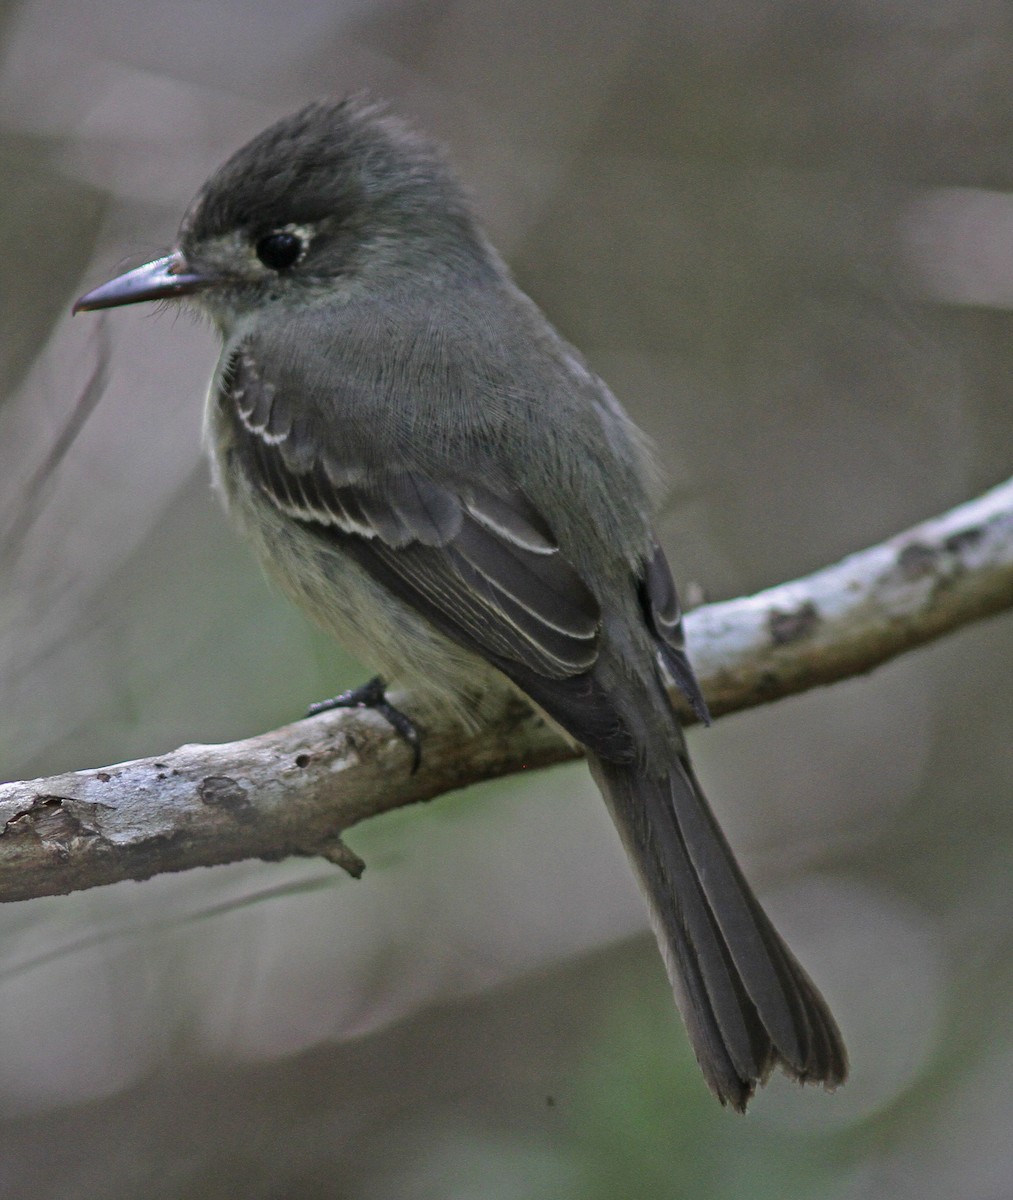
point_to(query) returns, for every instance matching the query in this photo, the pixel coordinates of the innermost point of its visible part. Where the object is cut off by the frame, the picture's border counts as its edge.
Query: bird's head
(333, 201)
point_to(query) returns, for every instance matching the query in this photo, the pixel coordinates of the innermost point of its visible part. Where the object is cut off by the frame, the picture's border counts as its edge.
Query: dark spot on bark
(103, 776)
(303, 760)
(221, 791)
(788, 627)
(916, 560)
(956, 543)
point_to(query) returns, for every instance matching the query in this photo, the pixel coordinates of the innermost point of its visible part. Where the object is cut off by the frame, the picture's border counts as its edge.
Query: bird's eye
(280, 249)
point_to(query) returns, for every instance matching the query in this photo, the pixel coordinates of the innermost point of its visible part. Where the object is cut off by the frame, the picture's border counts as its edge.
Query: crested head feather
(347, 160)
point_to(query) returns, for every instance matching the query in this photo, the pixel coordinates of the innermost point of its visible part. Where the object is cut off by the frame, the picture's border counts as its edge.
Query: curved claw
(372, 694)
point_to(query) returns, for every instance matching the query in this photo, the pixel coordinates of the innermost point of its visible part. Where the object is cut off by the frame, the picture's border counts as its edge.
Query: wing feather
(660, 602)
(482, 564)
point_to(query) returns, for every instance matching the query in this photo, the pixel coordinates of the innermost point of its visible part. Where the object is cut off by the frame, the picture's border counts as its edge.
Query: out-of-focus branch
(296, 789)
(31, 496)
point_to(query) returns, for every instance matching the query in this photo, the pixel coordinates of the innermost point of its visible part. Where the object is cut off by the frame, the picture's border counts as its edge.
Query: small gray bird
(428, 469)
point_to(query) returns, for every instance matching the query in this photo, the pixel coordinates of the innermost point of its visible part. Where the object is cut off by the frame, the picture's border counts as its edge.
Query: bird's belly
(384, 633)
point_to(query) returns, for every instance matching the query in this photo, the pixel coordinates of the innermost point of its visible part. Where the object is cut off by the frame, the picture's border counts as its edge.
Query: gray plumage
(440, 480)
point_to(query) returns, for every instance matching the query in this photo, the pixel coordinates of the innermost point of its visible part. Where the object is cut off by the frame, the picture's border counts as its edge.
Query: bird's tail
(747, 1003)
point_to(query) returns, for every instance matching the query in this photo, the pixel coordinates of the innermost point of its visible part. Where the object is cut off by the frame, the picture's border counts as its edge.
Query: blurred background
(783, 232)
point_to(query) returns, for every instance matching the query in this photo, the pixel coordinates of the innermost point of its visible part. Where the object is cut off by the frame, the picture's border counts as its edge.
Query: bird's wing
(480, 563)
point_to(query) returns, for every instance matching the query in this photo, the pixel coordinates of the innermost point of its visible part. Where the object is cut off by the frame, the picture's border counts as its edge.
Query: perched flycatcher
(429, 470)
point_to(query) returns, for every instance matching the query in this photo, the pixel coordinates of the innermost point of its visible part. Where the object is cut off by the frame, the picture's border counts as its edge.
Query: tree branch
(296, 789)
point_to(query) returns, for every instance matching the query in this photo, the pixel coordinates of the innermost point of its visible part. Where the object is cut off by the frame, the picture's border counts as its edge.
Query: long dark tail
(747, 1003)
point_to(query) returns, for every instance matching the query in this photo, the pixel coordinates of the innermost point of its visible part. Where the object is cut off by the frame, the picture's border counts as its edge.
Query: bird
(444, 484)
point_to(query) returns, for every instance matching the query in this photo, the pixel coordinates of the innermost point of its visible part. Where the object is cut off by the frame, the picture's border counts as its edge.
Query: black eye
(279, 250)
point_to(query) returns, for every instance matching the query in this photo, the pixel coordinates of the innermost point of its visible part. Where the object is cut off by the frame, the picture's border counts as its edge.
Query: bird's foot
(372, 694)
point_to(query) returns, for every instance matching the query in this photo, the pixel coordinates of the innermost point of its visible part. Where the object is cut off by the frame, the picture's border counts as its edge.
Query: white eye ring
(283, 248)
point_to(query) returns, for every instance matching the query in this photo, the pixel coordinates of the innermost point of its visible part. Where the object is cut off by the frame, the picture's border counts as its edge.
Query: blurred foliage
(766, 226)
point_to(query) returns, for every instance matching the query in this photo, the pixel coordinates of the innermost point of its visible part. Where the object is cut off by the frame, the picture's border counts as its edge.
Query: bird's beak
(163, 279)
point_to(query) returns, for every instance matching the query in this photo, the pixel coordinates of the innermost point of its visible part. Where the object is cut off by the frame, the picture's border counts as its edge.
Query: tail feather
(747, 1003)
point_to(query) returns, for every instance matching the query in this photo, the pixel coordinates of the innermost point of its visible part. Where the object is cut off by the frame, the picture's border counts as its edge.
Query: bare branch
(296, 789)
(848, 618)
